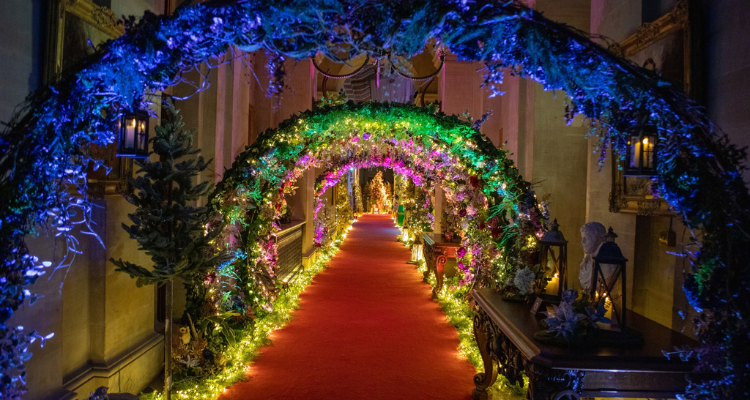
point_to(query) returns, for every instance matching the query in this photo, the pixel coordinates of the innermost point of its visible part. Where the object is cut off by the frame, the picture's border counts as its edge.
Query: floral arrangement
(524, 280)
(575, 322)
(450, 224)
(567, 318)
(417, 207)
(45, 145)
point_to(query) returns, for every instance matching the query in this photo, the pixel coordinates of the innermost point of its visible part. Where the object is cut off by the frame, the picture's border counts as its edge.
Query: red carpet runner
(366, 329)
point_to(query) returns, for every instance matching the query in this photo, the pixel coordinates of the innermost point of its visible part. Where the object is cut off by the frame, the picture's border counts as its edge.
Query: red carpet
(366, 329)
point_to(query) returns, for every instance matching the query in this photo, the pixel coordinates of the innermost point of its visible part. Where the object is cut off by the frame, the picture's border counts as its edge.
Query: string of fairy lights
(241, 355)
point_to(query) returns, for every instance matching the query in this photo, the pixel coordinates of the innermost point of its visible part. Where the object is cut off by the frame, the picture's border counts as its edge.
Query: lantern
(640, 158)
(552, 239)
(417, 252)
(609, 267)
(405, 236)
(133, 135)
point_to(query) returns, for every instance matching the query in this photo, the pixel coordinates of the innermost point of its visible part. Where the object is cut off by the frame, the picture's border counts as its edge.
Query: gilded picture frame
(74, 30)
(664, 45)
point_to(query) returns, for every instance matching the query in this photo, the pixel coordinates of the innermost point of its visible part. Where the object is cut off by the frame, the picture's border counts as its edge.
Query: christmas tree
(388, 198)
(176, 234)
(343, 205)
(358, 206)
(419, 217)
(377, 194)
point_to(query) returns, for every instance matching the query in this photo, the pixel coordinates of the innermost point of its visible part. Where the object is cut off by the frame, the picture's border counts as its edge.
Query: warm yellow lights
(244, 350)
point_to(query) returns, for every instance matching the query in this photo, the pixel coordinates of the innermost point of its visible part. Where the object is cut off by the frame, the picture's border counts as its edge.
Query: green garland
(240, 355)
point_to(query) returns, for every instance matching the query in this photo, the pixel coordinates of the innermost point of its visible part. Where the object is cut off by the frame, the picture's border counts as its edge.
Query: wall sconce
(640, 158)
(133, 135)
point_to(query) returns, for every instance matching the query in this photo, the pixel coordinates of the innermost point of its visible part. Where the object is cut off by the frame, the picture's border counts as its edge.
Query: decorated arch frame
(414, 142)
(44, 148)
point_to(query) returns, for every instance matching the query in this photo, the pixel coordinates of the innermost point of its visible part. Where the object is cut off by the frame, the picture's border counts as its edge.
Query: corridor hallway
(366, 329)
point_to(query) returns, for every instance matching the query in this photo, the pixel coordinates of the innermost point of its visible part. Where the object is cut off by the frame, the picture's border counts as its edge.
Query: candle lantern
(133, 135)
(609, 267)
(552, 239)
(417, 251)
(640, 157)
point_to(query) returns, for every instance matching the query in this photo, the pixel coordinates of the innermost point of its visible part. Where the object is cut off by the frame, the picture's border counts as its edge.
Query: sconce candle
(133, 135)
(640, 159)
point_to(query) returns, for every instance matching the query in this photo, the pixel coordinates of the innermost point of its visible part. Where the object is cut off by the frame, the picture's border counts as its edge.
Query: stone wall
(655, 272)
(548, 153)
(103, 323)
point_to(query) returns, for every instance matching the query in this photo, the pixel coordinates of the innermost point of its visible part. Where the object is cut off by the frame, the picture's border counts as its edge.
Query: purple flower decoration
(461, 252)
(355, 139)
(597, 314)
(462, 213)
(569, 296)
(366, 136)
(217, 26)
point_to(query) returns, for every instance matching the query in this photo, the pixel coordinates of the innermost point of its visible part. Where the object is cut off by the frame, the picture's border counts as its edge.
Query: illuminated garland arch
(43, 148)
(413, 141)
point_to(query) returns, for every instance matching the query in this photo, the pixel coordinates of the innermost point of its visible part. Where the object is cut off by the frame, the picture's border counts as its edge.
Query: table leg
(439, 272)
(553, 384)
(429, 260)
(484, 334)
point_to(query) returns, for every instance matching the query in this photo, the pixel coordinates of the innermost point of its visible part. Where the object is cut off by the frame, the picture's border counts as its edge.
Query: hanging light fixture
(640, 159)
(133, 135)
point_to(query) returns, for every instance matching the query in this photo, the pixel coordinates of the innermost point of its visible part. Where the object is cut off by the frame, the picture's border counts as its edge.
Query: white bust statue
(592, 237)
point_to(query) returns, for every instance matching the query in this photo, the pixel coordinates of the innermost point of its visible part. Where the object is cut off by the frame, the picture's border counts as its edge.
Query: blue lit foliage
(43, 149)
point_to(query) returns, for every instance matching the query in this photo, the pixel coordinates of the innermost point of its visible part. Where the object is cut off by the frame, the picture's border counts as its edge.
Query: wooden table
(437, 251)
(504, 332)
